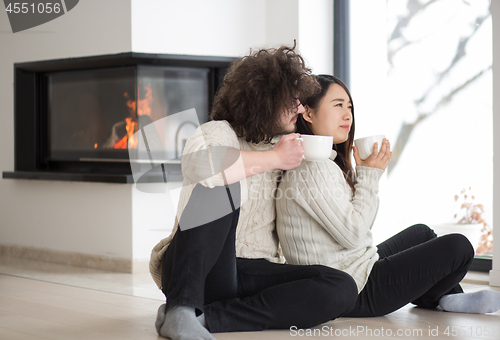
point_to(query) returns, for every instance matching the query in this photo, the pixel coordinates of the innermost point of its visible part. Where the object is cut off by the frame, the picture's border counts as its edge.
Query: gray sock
(484, 301)
(160, 317)
(181, 323)
(201, 319)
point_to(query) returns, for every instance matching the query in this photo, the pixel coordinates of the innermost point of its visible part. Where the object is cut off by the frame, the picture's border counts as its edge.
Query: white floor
(48, 301)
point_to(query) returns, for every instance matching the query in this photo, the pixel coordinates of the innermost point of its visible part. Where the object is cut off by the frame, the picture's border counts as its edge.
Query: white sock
(484, 301)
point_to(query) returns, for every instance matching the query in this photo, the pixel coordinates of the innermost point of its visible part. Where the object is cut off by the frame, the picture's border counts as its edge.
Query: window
(421, 73)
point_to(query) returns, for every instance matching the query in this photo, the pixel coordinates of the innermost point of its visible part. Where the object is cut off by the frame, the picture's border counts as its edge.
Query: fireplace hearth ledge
(78, 177)
(154, 177)
(74, 259)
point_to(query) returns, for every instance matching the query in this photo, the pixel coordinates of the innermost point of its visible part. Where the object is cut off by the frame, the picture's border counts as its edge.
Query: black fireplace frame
(30, 116)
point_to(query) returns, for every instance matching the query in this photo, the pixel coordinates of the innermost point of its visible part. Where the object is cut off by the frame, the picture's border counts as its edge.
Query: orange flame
(143, 108)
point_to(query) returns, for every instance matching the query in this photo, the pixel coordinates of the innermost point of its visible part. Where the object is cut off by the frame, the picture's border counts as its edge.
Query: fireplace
(76, 119)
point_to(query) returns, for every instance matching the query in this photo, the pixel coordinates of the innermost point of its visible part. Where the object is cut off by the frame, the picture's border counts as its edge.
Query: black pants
(200, 270)
(414, 266)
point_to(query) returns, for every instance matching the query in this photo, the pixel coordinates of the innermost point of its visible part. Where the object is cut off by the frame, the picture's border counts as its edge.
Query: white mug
(316, 148)
(365, 145)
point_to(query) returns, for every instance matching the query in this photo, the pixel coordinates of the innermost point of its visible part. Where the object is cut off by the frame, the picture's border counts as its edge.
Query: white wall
(153, 217)
(316, 34)
(86, 218)
(219, 27)
(231, 28)
(282, 22)
(495, 273)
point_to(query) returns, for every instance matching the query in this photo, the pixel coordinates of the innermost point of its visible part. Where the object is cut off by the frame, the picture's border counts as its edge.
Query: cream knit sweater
(256, 233)
(319, 221)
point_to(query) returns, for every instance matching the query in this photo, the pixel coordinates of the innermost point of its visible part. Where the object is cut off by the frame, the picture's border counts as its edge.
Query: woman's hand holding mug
(378, 159)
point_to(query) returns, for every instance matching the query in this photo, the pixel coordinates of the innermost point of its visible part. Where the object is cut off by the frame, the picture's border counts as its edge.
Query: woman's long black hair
(343, 159)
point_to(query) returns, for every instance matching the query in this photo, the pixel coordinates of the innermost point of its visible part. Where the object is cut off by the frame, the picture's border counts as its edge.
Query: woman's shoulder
(329, 166)
(308, 170)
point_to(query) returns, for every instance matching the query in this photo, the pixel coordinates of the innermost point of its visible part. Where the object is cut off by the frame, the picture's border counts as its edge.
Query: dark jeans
(200, 270)
(414, 266)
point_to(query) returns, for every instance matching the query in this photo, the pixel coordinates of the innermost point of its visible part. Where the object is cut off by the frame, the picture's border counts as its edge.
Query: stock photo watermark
(206, 164)
(27, 14)
(203, 165)
(485, 332)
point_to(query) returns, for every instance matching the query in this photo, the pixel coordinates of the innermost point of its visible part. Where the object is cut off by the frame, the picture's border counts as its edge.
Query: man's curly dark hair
(258, 88)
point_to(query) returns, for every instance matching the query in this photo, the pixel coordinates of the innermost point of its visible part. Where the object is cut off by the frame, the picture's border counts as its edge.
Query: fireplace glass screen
(93, 114)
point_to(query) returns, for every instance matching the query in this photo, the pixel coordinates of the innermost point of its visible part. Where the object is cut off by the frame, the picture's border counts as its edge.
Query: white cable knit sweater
(256, 234)
(319, 221)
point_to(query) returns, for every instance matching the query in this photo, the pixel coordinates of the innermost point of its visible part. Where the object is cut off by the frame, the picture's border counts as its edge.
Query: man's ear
(307, 115)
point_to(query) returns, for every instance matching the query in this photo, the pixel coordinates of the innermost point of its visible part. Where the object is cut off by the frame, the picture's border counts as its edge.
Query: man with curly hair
(221, 268)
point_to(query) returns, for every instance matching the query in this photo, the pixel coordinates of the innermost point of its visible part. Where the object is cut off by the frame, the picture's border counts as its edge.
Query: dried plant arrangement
(471, 212)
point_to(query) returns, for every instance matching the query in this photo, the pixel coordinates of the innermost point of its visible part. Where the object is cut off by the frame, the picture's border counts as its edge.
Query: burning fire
(143, 108)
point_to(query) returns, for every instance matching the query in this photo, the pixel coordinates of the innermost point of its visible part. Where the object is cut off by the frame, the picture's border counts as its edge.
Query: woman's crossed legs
(414, 266)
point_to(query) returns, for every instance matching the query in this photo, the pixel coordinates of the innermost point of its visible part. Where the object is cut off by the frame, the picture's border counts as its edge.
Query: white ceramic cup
(365, 145)
(316, 148)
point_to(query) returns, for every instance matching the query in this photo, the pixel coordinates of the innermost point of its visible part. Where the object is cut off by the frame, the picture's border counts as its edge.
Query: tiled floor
(46, 301)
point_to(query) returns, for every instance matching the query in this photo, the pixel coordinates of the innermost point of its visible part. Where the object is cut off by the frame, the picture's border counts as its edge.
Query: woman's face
(333, 116)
